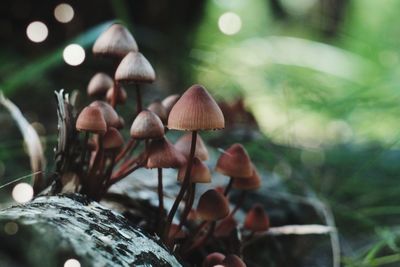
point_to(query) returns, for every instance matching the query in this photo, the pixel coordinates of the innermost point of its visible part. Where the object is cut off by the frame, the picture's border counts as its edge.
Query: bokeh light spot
(37, 31)
(229, 23)
(11, 228)
(22, 193)
(64, 13)
(74, 54)
(72, 263)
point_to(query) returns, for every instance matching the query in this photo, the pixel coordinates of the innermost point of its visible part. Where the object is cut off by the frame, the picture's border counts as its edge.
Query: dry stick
(228, 186)
(138, 99)
(131, 145)
(185, 184)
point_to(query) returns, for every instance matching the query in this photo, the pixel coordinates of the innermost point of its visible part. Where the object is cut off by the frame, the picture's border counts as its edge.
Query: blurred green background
(320, 76)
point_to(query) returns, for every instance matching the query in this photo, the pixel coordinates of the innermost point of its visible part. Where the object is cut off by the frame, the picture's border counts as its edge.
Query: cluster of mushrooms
(106, 159)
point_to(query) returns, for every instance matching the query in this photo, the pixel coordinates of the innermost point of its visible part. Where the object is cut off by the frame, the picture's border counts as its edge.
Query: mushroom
(158, 109)
(234, 162)
(110, 115)
(135, 68)
(256, 219)
(99, 85)
(169, 102)
(147, 125)
(212, 206)
(121, 98)
(213, 259)
(195, 110)
(115, 41)
(233, 261)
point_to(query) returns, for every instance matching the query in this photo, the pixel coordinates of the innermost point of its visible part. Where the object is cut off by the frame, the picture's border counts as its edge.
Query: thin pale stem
(201, 242)
(115, 96)
(240, 202)
(191, 193)
(138, 99)
(184, 187)
(118, 178)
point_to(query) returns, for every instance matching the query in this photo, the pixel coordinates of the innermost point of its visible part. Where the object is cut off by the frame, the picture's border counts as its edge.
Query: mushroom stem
(191, 193)
(184, 187)
(228, 187)
(203, 240)
(240, 202)
(131, 145)
(115, 94)
(118, 178)
(84, 149)
(138, 99)
(160, 193)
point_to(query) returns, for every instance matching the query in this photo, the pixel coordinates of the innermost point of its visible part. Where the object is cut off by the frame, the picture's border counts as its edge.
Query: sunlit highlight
(22, 193)
(74, 54)
(229, 23)
(37, 31)
(64, 13)
(72, 263)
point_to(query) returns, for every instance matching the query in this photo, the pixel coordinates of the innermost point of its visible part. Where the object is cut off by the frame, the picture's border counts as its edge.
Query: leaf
(32, 141)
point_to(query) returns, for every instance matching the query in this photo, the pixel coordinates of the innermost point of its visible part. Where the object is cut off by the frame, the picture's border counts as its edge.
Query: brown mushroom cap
(158, 109)
(199, 173)
(235, 162)
(116, 41)
(113, 140)
(183, 145)
(122, 95)
(248, 183)
(177, 235)
(233, 261)
(213, 259)
(99, 85)
(225, 227)
(162, 154)
(256, 219)
(147, 125)
(135, 68)
(169, 102)
(91, 120)
(212, 206)
(109, 113)
(196, 110)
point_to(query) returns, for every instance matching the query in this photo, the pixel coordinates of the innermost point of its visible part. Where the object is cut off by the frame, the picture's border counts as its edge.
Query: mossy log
(52, 229)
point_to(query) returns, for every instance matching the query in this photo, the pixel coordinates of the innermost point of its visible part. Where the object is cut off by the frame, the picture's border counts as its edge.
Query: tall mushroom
(135, 68)
(195, 110)
(115, 42)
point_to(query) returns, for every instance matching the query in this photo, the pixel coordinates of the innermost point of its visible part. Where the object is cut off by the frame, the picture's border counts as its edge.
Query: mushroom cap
(169, 102)
(177, 235)
(199, 173)
(135, 68)
(225, 227)
(196, 110)
(248, 183)
(147, 125)
(213, 259)
(256, 219)
(91, 120)
(122, 95)
(158, 109)
(183, 145)
(99, 85)
(162, 154)
(115, 41)
(113, 140)
(212, 206)
(233, 261)
(109, 113)
(235, 162)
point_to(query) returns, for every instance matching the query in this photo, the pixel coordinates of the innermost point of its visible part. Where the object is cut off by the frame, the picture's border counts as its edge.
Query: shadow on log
(50, 230)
